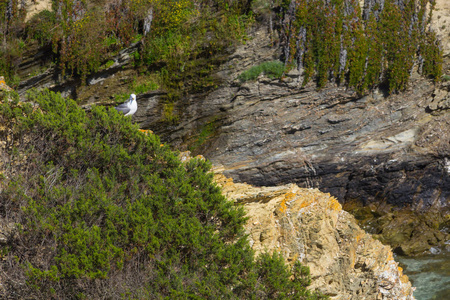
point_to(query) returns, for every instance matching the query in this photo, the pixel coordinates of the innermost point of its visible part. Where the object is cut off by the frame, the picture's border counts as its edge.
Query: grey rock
(370, 148)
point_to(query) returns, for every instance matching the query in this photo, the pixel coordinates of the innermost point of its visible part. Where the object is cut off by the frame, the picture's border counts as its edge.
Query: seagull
(128, 108)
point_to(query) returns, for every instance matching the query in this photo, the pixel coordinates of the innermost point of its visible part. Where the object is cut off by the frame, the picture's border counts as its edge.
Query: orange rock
(146, 131)
(3, 85)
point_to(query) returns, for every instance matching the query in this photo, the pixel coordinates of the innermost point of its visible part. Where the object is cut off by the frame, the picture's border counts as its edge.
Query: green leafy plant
(145, 87)
(275, 282)
(446, 77)
(168, 113)
(41, 27)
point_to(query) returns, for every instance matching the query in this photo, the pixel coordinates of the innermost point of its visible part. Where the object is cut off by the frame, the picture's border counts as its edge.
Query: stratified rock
(309, 226)
(371, 148)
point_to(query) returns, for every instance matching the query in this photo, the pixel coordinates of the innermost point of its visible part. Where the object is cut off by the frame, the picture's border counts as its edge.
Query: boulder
(309, 226)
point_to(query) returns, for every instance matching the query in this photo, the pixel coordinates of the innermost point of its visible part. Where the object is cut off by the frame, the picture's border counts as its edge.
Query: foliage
(171, 15)
(278, 281)
(143, 86)
(102, 210)
(446, 77)
(181, 40)
(272, 69)
(334, 40)
(169, 115)
(187, 53)
(108, 64)
(12, 45)
(41, 27)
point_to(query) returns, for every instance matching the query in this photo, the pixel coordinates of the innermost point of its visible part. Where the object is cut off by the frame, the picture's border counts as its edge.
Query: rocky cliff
(378, 149)
(385, 151)
(371, 148)
(311, 227)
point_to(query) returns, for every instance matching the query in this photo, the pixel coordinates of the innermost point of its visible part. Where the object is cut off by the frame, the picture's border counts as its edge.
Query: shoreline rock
(408, 232)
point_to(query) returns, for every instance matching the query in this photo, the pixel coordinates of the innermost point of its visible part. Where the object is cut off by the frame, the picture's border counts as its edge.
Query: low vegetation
(96, 209)
(272, 69)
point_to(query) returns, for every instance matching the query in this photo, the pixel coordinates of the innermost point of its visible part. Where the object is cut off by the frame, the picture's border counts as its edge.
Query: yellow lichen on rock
(309, 226)
(404, 279)
(283, 208)
(334, 204)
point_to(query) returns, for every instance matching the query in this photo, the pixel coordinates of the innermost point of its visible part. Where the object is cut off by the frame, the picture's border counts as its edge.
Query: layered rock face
(310, 226)
(373, 148)
(385, 151)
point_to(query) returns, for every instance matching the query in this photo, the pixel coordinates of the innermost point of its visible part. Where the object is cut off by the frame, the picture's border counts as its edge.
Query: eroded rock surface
(441, 24)
(310, 226)
(34, 7)
(408, 232)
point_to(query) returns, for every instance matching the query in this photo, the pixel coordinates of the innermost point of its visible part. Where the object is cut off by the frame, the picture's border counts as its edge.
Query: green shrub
(105, 211)
(41, 27)
(272, 69)
(169, 115)
(145, 87)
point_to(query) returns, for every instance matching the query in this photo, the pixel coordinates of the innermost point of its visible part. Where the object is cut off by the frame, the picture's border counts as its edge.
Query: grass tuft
(272, 69)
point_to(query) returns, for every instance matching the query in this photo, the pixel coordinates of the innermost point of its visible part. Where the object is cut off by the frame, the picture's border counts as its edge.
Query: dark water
(429, 274)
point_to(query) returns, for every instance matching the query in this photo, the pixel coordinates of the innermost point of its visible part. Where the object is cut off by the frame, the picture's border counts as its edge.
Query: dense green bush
(11, 41)
(102, 210)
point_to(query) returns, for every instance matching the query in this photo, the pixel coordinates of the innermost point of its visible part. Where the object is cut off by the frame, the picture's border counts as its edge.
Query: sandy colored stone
(309, 226)
(440, 23)
(36, 6)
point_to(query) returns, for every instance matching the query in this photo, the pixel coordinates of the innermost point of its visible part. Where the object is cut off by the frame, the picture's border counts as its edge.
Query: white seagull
(128, 108)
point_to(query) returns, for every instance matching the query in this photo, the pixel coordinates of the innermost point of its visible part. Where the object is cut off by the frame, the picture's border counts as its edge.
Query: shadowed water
(429, 274)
